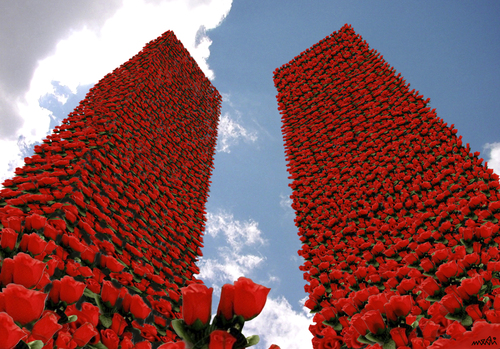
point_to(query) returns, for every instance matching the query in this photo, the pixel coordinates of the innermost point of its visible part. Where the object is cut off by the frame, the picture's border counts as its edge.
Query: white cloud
(86, 52)
(279, 324)
(232, 261)
(237, 234)
(286, 204)
(230, 131)
(494, 159)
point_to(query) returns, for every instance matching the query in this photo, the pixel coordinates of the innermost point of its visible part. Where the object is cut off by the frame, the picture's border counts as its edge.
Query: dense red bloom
(10, 333)
(22, 304)
(398, 334)
(109, 293)
(8, 238)
(221, 340)
(45, 328)
(71, 290)
(84, 334)
(110, 339)
(374, 321)
(226, 303)
(138, 308)
(249, 298)
(196, 303)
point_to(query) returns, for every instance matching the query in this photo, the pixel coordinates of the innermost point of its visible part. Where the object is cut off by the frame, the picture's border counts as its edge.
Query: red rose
(470, 287)
(138, 308)
(374, 321)
(22, 304)
(9, 238)
(447, 271)
(7, 272)
(93, 285)
(27, 270)
(35, 221)
(359, 324)
(455, 330)
(65, 341)
(196, 303)
(118, 324)
(110, 339)
(474, 311)
(10, 333)
(430, 286)
(32, 243)
(163, 307)
(249, 298)
(398, 306)
(221, 340)
(45, 328)
(226, 303)
(430, 330)
(71, 290)
(84, 334)
(451, 303)
(398, 334)
(89, 313)
(109, 293)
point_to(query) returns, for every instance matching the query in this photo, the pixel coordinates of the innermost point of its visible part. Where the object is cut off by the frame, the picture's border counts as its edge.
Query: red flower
(84, 334)
(249, 298)
(172, 345)
(196, 303)
(451, 303)
(470, 287)
(71, 290)
(374, 321)
(22, 304)
(118, 324)
(35, 222)
(398, 306)
(226, 303)
(398, 334)
(430, 286)
(138, 308)
(9, 238)
(221, 340)
(109, 293)
(10, 333)
(455, 330)
(45, 328)
(7, 272)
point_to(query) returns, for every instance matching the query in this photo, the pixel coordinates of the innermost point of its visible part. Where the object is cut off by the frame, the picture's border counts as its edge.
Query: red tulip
(249, 298)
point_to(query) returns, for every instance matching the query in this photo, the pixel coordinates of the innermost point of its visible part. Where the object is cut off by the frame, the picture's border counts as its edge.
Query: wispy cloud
(76, 44)
(494, 159)
(279, 324)
(230, 131)
(238, 243)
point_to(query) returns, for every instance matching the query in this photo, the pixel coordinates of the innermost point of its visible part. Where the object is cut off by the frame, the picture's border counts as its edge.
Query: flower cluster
(102, 227)
(399, 221)
(240, 302)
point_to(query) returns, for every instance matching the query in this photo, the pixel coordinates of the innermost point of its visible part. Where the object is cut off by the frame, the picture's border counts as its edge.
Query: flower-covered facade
(399, 220)
(103, 225)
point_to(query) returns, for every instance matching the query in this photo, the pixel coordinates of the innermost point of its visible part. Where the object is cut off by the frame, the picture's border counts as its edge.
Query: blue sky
(50, 55)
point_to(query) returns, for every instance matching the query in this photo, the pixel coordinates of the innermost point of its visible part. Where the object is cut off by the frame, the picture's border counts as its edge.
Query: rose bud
(226, 303)
(221, 340)
(249, 298)
(196, 303)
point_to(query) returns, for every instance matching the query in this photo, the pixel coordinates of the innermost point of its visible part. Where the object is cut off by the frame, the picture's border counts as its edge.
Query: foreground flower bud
(249, 298)
(196, 303)
(221, 340)
(226, 303)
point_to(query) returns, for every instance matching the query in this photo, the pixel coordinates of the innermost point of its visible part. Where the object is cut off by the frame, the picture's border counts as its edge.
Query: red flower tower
(399, 221)
(105, 221)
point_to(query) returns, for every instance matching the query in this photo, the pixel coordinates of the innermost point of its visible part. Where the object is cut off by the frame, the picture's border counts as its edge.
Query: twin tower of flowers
(102, 227)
